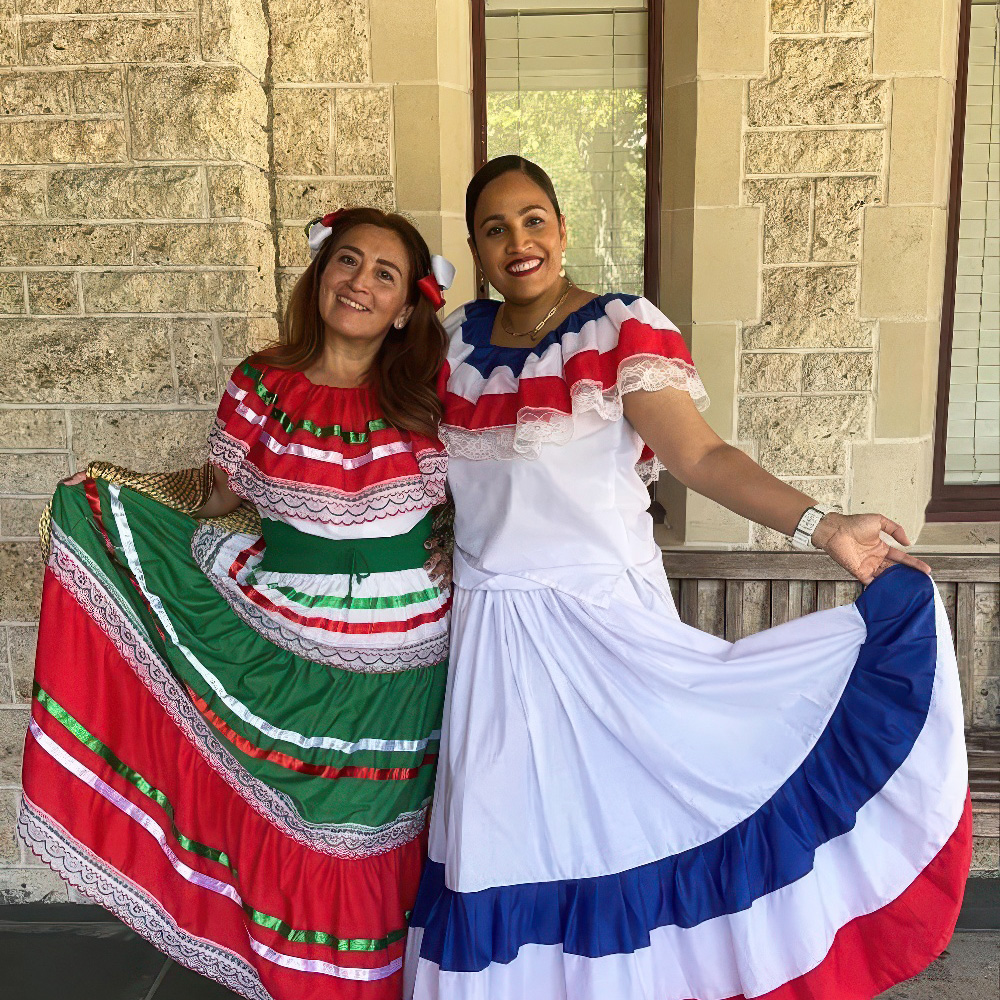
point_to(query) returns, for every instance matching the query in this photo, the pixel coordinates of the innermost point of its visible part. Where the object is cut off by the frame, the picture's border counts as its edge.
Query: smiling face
(518, 238)
(365, 285)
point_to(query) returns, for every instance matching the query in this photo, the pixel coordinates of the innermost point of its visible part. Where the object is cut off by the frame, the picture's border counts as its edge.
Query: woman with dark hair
(628, 808)
(240, 669)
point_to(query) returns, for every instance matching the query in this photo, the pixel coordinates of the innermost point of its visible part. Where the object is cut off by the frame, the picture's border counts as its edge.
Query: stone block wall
(158, 160)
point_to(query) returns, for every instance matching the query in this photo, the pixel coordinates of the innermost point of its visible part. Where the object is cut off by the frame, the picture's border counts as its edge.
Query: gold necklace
(538, 326)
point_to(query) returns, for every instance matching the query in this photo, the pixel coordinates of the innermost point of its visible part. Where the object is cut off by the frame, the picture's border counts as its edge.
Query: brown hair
(405, 371)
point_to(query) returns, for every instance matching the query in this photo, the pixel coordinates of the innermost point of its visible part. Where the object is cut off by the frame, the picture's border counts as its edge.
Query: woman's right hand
(77, 477)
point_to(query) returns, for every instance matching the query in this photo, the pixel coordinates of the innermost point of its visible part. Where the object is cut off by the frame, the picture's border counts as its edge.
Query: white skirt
(630, 808)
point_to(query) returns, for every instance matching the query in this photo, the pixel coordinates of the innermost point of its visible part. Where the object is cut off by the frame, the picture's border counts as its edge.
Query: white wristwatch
(802, 536)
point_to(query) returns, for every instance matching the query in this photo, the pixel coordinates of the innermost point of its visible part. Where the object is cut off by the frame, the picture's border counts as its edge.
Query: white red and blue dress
(628, 808)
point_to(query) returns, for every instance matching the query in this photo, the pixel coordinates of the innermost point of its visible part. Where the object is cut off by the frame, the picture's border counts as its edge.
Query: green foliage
(593, 145)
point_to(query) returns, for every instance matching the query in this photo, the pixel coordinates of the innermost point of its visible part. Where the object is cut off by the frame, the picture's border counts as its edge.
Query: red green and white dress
(233, 737)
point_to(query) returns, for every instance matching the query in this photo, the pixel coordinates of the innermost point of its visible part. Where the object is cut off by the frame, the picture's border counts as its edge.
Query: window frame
(654, 133)
(953, 501)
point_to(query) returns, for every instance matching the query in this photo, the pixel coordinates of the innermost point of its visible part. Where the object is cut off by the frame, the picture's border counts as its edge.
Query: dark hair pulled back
(404, 373)
(495, 168)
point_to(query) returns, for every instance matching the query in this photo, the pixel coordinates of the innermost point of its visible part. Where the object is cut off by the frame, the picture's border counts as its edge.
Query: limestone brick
(725, 242)
(718, 142)
(814, 151)
(175, 291)
(32, 93)
(53, 293)
(20, 594)
(293, 249)
(680, 41)
(108, 40)
(127, 193)
(364, 127)
(238, 192)
(809, 307)
(200, 112)
(75, 141)
(196, 364)
(320, 40)
(897, 261)
(11, 294)
(32, 428)
(300, 200)
(286, 282)
(840, 372)
(891, 478)
(22, 195)
(106, 6)
(770, 372)
(676, 263)
(418, 152)
(98, 91)
(849, 15)
(787, 204)
(986, 659)
(713, 348)
(235, 31)
(303, 130)
(61, 245)
(403, 42)
(10, 851)
(840, 204)
(455, 140)
(31, 473)
(803, 435)
(732, 37)
(903, 382)
(241, 336)
(204, 243)
(144, 440)
(908, 35)
(794, 16)
(818, 81)
(22, 640)
(86, 360)
(920, 141)
(680, 133)
(31, 885)
(8, 36)
(19, 516)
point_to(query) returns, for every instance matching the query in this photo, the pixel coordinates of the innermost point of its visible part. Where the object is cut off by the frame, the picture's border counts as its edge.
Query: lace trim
(539, 425)
(90, 589)
(205, 546)
(326, 506)
(105, 885)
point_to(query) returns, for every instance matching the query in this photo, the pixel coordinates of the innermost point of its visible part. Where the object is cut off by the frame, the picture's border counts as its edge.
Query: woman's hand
(77, 477)
(858, 542)
(438, 565)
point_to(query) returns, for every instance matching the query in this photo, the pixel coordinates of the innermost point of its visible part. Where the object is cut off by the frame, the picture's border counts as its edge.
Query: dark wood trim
(654, 150)
(479, 154)
(953, 502)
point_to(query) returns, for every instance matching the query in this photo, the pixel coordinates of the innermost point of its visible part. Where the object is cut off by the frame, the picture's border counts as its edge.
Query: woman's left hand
(438, 565)
(856, 542)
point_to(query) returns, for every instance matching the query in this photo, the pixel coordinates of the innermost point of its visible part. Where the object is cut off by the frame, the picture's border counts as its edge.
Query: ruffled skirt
(630, 808)
(257, 815)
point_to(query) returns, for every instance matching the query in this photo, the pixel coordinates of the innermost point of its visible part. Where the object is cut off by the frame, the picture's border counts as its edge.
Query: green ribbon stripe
(354, 603)
(288, 550)
(290, 425)
(57, 712)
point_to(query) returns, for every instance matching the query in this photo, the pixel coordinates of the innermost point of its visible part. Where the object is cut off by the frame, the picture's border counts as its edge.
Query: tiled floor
(81, 953)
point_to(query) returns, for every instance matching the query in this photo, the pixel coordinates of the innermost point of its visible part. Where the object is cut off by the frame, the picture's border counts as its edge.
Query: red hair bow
(431, 290)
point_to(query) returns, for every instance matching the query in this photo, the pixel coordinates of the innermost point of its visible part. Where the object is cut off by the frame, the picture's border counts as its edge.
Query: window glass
(566, 87)
(972, 454)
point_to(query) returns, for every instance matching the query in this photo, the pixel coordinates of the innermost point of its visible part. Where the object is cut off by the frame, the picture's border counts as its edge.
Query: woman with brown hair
(240, 672)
